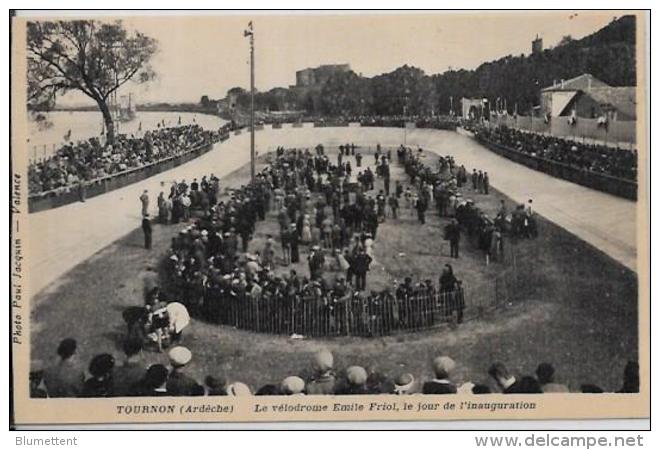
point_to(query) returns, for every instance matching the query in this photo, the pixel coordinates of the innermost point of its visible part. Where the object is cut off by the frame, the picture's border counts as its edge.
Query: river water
(42, 141)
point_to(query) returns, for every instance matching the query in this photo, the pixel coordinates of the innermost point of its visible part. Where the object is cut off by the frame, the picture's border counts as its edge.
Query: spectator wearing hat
(378, 382)
(100, 383)
(404, 384)
(453, 235)
(630, 378)
(162, 208)
(215, 386)
(360, 266)
(178, 383)
(545, 374)
(448, 281)
(285, 240)
(268, 389)
(507, 383)
(293, 386)
(591, 389)
(442, 367)
(478, 389)
(36, 382)
(154, 382)
(393, 202)
(66, 378)
(146, 229)
(294, 240)
(421, 206)
(268, 254)
(530, 385)
(356, 382)
(316, 261)
(238, 389)
(126, 376)
(324, 380)
(150, 284)
(144, 200)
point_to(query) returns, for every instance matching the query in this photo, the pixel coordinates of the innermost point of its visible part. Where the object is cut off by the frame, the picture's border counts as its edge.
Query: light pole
(405, 113)
(405, 110)
(250, 33)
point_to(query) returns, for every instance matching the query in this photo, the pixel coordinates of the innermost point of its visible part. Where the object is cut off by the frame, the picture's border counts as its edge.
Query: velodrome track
(64, 237)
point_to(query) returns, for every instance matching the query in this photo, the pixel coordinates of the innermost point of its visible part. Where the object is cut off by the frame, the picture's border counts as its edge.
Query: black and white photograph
(386, 215)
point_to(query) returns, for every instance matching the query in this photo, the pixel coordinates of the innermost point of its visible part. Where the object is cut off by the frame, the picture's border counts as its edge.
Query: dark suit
(353, 390)
(146, 227)
(180, 384)
(324, 385)
(437, 387)
(453, 234)
(64, 380)
(515, 388)
(360, 266)
(126, 377)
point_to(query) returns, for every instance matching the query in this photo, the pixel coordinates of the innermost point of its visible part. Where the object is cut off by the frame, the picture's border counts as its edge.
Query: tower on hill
(537, 45)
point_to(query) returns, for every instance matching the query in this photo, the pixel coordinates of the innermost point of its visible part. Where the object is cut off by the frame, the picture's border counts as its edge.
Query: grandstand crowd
(106, 377)
(437, 122)
(613, 161)
(76, 163)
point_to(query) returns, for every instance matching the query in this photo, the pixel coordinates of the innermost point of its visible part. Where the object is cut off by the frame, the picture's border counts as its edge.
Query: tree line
(608, 54)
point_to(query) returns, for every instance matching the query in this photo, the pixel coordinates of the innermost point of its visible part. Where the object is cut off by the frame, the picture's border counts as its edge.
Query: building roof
(620, 98)
(565, 93)
(582, 82)
(561, 101)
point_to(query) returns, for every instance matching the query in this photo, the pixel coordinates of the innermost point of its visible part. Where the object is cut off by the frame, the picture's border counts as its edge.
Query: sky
(207, 55)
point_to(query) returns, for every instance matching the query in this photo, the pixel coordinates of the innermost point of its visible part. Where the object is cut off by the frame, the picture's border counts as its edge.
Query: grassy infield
(575, 307)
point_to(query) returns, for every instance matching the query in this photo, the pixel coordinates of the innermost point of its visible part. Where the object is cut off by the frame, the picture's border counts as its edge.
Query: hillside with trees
(608, 54)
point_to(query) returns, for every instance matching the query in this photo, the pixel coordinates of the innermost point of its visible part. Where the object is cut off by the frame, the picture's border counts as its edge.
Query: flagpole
(250, 32)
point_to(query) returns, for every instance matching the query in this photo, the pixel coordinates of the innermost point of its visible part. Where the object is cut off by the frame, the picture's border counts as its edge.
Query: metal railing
(310, 316)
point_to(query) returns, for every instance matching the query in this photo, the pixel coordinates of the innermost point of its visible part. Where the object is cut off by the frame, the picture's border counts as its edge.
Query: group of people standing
(319, 207)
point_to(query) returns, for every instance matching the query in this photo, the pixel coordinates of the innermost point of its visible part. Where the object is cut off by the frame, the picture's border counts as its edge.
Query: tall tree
(346, 93)
(89, 56)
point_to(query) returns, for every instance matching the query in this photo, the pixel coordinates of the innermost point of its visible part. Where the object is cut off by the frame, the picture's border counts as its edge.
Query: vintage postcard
(226, 217)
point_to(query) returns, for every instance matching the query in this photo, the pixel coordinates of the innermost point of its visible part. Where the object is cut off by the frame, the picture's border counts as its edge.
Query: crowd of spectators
(613, 161)
(214, 270)
(76, 163)
(437, 122)
(106, 377)
(447, 184)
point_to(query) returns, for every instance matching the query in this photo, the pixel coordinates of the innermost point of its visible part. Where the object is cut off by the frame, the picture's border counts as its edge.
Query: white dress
(307, 233)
